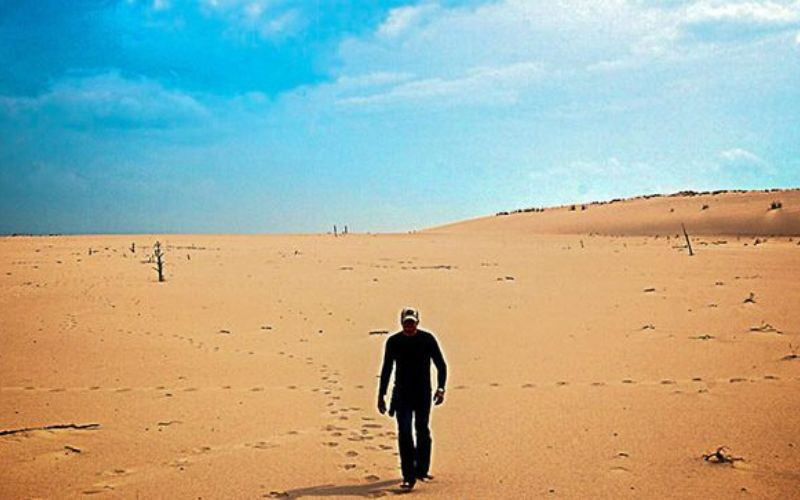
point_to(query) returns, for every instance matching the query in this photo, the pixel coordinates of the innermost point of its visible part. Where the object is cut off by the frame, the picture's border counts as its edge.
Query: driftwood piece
(54, 427)
(721, 456)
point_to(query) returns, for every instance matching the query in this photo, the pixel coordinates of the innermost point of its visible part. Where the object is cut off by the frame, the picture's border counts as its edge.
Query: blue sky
(291, 116)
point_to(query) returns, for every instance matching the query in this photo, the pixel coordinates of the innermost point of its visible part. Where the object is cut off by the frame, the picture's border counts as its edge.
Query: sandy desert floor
(580, 366)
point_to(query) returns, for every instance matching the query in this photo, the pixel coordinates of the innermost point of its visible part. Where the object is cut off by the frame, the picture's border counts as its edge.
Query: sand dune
(724, 213)
(580, 366)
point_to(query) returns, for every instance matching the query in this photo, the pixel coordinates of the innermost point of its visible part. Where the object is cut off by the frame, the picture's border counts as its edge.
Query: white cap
(409, 313)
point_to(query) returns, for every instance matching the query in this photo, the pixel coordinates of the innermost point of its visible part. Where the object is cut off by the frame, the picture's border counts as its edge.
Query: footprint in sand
(562, 382)
(598, 384)
(349, 466)
(100, 488)
(628, 381)
(330, 444)
(263, 445)
(180, 463)
(528, 386)
(116, 472)
(667, 381)
(619, 469)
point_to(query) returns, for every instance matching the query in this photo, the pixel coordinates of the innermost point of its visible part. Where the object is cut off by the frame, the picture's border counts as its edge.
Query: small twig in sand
(793, 355)
(378, 332)
(54, 427)
(721, 456)
(751, 299)
(765, 327)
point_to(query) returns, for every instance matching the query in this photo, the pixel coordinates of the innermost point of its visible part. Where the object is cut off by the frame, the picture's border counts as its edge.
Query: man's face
(409, 326)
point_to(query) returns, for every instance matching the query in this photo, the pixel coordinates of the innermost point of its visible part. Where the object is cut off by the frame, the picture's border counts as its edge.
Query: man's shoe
(407, 485)
(426, 477)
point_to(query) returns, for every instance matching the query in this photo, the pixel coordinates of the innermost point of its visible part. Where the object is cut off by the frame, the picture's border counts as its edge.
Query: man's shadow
(368, 490)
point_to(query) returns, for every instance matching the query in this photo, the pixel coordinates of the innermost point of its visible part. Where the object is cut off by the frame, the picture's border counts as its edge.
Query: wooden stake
(688, 243)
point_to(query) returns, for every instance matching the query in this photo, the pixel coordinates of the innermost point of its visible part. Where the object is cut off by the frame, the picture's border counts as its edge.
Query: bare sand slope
(602, 371)
(725, 213)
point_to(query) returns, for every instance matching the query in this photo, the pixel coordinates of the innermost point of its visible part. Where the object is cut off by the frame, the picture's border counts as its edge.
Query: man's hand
(381, 405)
(438, 398)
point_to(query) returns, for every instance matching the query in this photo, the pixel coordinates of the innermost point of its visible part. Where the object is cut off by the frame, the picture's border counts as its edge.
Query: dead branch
(721, 456)
(77, 427)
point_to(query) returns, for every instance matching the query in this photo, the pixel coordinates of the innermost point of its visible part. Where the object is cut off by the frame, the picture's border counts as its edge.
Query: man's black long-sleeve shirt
(412, 355)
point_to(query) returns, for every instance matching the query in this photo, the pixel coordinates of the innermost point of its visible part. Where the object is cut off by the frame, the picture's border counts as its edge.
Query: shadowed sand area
(580, 365)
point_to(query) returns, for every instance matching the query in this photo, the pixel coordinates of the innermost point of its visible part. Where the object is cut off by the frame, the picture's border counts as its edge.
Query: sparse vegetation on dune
(679, 194)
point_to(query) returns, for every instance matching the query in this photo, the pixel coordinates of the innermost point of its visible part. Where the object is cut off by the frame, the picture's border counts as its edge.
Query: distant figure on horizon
(411, 352)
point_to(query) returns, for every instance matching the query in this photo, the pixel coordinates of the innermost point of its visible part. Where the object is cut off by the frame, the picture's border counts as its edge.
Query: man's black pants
(414, 460)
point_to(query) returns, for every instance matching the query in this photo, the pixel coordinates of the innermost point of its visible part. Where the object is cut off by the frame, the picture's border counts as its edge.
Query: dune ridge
(773, 212)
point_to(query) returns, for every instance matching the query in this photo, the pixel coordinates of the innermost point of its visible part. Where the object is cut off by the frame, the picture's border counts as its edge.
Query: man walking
(411, 352)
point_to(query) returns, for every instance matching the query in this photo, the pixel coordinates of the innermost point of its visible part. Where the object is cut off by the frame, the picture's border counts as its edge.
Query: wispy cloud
(741, 156)
(479, 84)
(107, 100)
(401, 19)
(727, 20)
(744, 12)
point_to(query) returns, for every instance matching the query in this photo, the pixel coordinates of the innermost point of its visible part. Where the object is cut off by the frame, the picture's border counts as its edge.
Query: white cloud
(739, 155)
(500, 83)
(744, 12)
(254, 10)
(374, 79)
(161, 4)
(444, 43)
(400, 19)
(266, 18)
(109, 99)
(739, 21)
